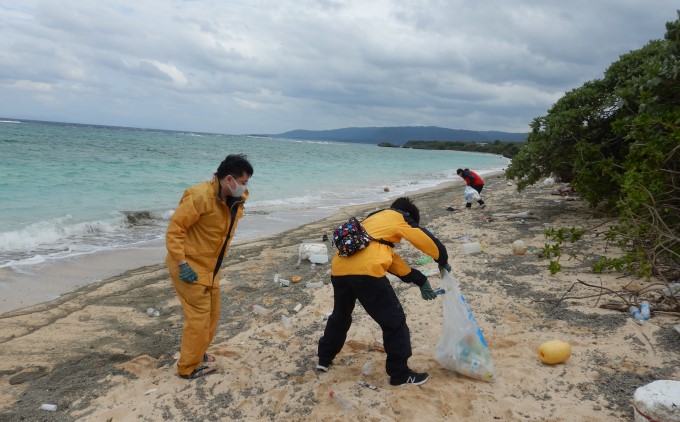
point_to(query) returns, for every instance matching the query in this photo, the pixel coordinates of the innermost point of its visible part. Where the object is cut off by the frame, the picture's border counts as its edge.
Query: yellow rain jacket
(377, 259)
(199, 228)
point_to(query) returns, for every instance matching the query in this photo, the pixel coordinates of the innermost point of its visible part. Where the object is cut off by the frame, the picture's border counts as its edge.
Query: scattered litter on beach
(287, 323)
(367, 385)
(153, 312)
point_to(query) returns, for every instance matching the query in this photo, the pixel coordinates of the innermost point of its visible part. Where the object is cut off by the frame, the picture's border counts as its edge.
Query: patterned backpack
(351, 237)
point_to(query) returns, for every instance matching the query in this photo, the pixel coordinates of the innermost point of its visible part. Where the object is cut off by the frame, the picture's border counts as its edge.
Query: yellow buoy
(554, 351)
(296, 279)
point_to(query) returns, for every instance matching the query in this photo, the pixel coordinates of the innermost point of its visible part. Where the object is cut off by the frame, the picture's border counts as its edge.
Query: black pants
(478, 188)
(381, 303)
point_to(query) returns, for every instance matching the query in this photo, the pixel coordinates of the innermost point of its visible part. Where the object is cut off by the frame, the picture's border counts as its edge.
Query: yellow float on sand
(554, 351)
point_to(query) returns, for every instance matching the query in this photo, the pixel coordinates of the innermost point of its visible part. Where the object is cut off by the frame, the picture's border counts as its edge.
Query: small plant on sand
(556, 250)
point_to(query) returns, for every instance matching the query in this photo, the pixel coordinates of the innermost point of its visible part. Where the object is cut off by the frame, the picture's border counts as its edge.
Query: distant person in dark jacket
(473, 180)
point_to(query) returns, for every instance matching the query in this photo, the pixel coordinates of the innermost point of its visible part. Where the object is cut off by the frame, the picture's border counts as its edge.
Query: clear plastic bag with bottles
(462, 347)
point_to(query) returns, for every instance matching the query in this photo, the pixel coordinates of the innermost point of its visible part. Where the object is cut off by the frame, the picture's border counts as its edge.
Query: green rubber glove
(187, 274)
(446, 267)
(426, 291)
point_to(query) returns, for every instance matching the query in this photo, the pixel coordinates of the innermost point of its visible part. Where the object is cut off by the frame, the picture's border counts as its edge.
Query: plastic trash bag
(462, 347)
(471, 195)
(306, 250)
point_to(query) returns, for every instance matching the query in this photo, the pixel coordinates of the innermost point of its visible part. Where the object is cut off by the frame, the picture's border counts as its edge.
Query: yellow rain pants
(201, 305)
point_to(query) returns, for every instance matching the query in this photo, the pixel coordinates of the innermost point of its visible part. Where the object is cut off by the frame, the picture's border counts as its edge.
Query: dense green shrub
(617, 141)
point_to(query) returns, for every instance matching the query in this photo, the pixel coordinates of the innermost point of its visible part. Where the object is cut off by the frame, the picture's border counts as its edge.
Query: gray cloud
(272, 66)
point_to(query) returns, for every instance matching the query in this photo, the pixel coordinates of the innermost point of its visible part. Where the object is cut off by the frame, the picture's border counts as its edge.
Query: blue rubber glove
(446, 267)
(426, 291)
(187, 274)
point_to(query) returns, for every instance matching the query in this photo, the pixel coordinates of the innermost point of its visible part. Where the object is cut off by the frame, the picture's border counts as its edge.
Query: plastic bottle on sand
(340, 400)
(287, 323)
(637, 316)
(645, 310)
(259, 309)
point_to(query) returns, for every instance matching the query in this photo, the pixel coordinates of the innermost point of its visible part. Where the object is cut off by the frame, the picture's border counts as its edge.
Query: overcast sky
(269, 66)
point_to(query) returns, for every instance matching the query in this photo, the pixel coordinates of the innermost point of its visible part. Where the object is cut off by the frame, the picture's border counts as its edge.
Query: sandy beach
(98, 356)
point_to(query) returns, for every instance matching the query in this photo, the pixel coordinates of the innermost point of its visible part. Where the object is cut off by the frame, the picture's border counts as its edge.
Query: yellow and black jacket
(377, 259)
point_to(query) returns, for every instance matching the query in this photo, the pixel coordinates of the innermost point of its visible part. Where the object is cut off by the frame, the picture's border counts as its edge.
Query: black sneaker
(414, 378)
(322, 368)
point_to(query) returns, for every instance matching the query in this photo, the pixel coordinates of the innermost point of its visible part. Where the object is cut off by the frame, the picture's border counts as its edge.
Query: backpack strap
(384, 242)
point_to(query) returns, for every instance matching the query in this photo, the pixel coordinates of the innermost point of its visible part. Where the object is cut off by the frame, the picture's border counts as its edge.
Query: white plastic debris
(153, 312)
(287, 323)
(49, 407)
(318, 258)
(472, 247)
(657, 401)
(306, 250)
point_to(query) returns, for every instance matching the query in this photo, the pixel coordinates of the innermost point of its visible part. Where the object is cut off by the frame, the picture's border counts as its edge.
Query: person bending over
(473, 180)
(362, 277)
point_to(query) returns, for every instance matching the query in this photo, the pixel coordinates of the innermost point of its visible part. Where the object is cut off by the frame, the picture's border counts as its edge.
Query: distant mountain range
(402, 134)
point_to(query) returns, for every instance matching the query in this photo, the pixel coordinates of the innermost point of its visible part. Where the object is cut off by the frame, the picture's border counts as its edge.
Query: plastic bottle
(259, 309)
(473, 247)
(424, 260)
(637, 316)
(645, 310)
(340, 400)
(368, 367)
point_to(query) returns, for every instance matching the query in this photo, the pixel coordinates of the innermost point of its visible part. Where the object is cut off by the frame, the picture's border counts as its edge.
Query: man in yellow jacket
(197, 238)
(362, 277)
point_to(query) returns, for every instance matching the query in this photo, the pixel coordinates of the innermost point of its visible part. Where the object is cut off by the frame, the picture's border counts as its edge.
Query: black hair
(234, 165)
(459, 171)
(406, 205)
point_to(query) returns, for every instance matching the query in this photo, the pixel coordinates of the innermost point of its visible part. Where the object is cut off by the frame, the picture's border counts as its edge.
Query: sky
(270, 66)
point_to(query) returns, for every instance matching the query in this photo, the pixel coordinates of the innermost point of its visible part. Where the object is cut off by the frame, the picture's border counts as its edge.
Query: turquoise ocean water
(68, 190)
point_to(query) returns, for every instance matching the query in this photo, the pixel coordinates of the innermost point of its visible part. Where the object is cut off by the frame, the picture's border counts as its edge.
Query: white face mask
(239, 190)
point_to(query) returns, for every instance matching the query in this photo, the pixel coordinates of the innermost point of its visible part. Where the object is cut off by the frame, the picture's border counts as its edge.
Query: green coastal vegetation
(506, 149)
(616, 140)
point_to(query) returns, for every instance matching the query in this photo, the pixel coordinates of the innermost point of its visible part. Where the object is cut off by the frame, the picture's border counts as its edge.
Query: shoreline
(67, 276)
(98, 355)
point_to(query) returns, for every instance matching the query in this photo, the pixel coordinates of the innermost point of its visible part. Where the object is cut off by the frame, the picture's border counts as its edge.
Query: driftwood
(661, 305)
(522, 215)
